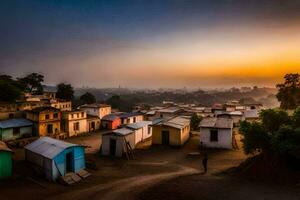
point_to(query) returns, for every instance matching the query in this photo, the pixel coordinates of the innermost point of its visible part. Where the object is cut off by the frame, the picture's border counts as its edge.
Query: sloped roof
(251, 114)
(216, 123)
(3, 147)
(132, 114)
(94, 105)
(122, 131)
(44, 109)
(110, 117)
(48, 147)
(138, 125)
(11, 123)
(169, 110)
(175, 122)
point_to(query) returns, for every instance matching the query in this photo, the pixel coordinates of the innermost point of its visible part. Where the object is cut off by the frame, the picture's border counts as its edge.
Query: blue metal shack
(55, 157)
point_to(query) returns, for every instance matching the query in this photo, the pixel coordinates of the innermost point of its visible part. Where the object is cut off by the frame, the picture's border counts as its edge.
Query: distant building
(55, 157)
(74, 122)
(61, 105)
(174, 131)
(251, 115)
(6, 163)
(99, 110)
(167, 113)
(93, 123)
(46, 121)
(118, 142)
(128, 118)
(236, 116)
(110, 121)
(216, 132)
(15, 128)
(18, 109)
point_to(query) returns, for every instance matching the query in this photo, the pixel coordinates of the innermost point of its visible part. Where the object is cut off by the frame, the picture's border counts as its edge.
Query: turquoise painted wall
(5, 164)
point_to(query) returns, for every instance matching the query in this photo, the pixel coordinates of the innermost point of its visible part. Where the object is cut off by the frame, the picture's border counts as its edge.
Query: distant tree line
(12, 89)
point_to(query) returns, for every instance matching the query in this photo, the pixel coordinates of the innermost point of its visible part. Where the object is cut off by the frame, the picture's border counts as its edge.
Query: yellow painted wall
(43, 128)
(177, 137)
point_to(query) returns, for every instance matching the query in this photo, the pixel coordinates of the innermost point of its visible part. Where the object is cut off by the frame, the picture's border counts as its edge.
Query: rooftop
(132, 114)
(216, 123)
(122, 131)
(139, 125)
(95, 105)
(44, 109)
(48, 147)
(110, 117)
(175, 122)
(11, 123)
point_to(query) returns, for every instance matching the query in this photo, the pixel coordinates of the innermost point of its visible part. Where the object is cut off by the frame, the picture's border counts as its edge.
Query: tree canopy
(32, 83)
(276, 133)
(289, 92)
(65, 92)
(87, 98)
(195, 120)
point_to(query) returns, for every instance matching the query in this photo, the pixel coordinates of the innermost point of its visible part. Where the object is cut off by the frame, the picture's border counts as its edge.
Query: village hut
(55, 157)
(5, 161)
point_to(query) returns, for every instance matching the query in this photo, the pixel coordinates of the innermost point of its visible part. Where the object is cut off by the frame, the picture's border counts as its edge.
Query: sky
(151, 43)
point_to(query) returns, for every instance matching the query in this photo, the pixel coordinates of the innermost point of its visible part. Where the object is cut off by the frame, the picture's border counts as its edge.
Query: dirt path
(124, 188)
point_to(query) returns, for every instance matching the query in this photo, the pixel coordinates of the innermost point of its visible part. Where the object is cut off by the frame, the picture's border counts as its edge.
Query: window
(82, 114)
(55, 115)
(149, 130)
(214, 136)
(47, 116)
(16, 131)
(72, 116)
(76, 126)
(134, 119)
(77, 115)
(11, 115)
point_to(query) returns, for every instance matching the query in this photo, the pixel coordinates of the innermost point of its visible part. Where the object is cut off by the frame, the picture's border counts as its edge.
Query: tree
(289, 92)
(9, 92)
(65, 92)
(32, 83)
(195, 120)
(255, 137)
(87, 98)
(273, 119)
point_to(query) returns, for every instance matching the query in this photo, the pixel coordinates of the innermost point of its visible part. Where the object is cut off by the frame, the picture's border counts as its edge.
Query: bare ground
(157, 173)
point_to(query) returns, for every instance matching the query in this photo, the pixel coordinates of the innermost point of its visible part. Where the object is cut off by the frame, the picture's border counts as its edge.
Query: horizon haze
(152, 44)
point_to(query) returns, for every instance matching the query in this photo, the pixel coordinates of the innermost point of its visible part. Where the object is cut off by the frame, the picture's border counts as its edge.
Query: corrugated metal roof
(176, 122)
(139, 125)
(216, 123)
(122, 131)
(3, 147)
(48, 147)
(169, 110)
(126, 115)
(11, 123)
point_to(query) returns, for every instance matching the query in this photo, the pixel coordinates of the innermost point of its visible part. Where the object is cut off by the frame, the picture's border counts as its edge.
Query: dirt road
(126, 188)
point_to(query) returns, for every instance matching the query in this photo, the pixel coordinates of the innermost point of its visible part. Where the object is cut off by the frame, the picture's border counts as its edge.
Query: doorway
(165, 137)
(112, 147)
(69, 167)
(49, 129)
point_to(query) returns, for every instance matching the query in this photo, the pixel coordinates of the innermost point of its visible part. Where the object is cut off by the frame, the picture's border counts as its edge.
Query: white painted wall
(224, 138)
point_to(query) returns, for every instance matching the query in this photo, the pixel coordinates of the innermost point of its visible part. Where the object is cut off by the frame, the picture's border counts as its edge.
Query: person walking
(204, 162)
